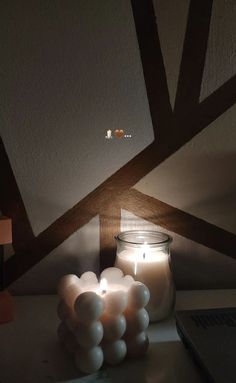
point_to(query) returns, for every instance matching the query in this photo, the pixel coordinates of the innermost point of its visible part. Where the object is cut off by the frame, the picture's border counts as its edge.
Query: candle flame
(103, 285)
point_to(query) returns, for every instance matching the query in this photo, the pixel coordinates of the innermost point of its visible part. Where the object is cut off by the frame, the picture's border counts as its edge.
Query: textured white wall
(220, 63)
(69, 71)
(171, 22)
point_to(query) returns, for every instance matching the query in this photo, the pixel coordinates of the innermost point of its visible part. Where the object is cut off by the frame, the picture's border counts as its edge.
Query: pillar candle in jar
(149, 264)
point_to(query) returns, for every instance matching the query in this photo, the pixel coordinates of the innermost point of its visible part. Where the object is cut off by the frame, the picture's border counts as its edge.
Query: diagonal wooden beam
(110, 219)
(193, 57)
(153, 66)
(179, 222)
(217, 103)
(11, 203)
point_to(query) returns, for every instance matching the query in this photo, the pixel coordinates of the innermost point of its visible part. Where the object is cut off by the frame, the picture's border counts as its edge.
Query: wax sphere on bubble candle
(65, 282)
(90, 360)
(66, 338)
(67, 315)
(88, 278)
(62, 310)
(114, 326)
(136, 321)
(89, 335)
(112, 274)
(114, 352)
(71, 320)
(69, 288)
(71, 294)
(70, 343)
(128, 280)
(137, 346)
(138, 295)
(89, 307)
(62, 332)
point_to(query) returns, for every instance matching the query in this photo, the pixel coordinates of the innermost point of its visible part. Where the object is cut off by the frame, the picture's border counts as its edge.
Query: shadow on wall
(205, 269)
(204, 185)
(79, 253)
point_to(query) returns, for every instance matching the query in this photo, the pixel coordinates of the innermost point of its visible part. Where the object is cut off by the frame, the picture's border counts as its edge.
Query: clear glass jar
(146, 256)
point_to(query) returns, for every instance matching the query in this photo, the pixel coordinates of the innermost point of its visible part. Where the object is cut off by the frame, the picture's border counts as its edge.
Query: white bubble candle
(96, 318)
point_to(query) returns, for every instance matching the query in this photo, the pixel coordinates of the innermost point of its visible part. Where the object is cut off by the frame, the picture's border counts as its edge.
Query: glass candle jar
(146, 256)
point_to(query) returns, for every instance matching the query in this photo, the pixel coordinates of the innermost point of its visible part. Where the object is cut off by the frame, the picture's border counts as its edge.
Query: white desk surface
(31, 353)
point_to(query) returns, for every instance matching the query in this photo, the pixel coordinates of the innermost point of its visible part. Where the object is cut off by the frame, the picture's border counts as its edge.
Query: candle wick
(144, 256)
(103, 292)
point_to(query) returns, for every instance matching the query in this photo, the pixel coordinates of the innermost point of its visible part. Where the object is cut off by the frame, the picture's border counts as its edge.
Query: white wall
(220, 63)
(69, 71)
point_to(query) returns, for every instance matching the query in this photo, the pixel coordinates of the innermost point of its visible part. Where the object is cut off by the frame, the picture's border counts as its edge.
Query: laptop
(210, 336)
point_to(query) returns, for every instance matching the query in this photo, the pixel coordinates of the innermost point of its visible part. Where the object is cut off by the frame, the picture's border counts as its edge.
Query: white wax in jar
(150, 267)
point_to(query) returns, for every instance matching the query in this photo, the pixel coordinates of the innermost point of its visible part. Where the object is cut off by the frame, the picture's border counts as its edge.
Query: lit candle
(145, 256)
(94, 316)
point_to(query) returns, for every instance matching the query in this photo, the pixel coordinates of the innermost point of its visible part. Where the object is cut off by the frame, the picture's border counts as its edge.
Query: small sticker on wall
(118, 133)
(108, 135)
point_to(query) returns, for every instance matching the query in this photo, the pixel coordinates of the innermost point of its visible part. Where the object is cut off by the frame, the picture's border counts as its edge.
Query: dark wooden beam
(216, 103)
(109, 227)
(193, 57)
(153, 67)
